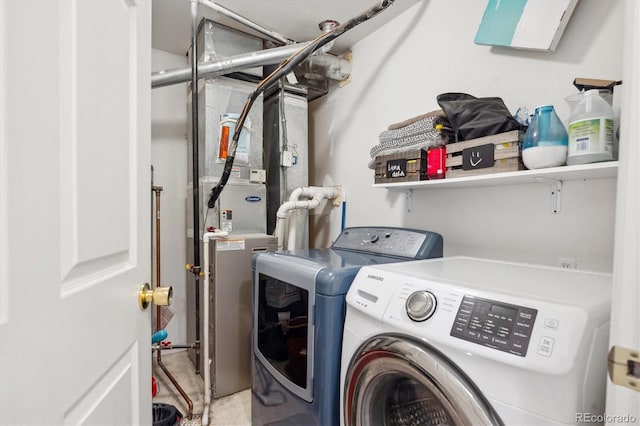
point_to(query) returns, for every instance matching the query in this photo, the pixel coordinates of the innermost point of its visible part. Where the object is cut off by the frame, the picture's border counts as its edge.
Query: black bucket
(166, 415)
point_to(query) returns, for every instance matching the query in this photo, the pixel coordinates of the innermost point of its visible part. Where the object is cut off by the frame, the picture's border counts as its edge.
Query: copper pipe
(177, 386)
(158, 191)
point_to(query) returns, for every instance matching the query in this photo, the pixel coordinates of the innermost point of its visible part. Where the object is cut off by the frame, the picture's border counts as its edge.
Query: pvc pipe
(207, 362)
(280, 232)
(244, 21)
(318, 193)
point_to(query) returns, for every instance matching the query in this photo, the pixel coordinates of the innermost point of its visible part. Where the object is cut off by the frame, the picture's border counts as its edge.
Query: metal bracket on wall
(409, 197)
(555, 186)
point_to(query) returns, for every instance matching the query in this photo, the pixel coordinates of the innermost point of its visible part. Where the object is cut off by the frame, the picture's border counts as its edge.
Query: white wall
(397, 73)
(169, 158)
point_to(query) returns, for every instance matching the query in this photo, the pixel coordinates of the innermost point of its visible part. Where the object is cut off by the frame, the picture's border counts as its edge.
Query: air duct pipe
(334, 67)
(244, 21)
(207, 362)
(316, 193)
(338, 68)
(226, 65)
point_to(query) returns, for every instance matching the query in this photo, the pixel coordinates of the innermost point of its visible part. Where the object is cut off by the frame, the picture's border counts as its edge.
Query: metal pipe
(283, 140)
(195, 269)
(244, 21)
(326, 26)
(335, 67)
(161, 347)
(264, 57)
(158, 190)
(180, 390)
(225, 65)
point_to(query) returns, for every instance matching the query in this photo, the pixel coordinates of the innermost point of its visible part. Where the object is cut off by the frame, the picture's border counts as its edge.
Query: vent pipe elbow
(334, 67)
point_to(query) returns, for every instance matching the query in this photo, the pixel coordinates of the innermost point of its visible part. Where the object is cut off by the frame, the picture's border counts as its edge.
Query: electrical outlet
(567, 263)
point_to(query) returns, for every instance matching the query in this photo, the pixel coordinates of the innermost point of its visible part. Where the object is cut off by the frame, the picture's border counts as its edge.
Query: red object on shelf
(154, 387)
(436, 162)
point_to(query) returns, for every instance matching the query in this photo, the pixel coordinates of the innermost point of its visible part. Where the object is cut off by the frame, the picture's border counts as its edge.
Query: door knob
(161, 296)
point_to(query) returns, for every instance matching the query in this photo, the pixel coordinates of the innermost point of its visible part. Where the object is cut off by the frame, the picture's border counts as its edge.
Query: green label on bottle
(594, 135)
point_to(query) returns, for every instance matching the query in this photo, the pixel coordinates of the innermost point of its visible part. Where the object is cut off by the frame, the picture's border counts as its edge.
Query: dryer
(465, 340)
(298, 317)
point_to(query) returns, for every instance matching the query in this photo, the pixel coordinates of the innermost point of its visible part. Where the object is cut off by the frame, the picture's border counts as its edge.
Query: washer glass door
(394, 380)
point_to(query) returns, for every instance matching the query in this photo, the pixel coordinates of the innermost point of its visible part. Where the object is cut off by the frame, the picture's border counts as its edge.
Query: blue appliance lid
(336, 268)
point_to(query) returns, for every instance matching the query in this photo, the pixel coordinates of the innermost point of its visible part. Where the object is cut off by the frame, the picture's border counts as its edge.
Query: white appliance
(463, 340)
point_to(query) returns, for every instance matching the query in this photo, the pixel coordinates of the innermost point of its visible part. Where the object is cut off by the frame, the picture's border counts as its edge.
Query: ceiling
(294, 19)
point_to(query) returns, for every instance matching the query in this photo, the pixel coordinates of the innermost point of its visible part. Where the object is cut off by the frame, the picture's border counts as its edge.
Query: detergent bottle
(591, 132)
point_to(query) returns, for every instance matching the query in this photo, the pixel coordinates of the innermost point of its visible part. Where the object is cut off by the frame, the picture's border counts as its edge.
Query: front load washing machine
(299, 309)
(468, 341)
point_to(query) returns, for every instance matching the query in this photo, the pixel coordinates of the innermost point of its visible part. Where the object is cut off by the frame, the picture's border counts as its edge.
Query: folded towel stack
(414, 133)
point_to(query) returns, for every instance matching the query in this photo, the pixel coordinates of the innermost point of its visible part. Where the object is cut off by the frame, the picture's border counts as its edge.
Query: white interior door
(74, 211)
(623, 403)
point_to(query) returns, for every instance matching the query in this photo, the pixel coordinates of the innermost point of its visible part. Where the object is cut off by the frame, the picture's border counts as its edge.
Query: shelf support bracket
(409, 197)
(555, 185)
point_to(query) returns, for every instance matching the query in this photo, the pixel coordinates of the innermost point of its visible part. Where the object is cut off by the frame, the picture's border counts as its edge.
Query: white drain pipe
(317, 194)
(207, 362)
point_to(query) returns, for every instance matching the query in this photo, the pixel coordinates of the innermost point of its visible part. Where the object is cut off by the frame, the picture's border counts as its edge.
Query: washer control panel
(495, 324)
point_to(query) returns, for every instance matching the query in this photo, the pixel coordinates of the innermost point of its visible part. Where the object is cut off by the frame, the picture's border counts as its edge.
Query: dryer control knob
(421, 305)
(372, 238)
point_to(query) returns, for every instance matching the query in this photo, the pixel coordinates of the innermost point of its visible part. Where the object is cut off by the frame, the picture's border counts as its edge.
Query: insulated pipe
(318, 194)
(195, 269)
(207, 362)
(226, 65)
(244, 21)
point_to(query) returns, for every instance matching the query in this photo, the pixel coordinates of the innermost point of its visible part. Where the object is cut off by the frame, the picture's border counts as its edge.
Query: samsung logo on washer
(375, 277)
(253, 198)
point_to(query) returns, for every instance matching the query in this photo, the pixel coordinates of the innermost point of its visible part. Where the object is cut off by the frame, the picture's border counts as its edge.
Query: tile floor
(227, 411)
